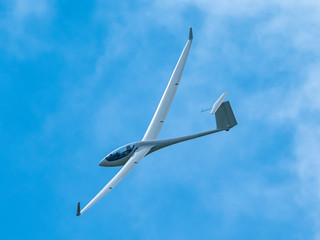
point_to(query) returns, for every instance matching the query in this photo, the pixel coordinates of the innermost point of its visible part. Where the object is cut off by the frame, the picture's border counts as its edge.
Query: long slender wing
(136, 157)
(167, 98)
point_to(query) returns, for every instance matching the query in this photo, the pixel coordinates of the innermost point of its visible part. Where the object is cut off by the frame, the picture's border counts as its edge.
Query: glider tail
(225, 118)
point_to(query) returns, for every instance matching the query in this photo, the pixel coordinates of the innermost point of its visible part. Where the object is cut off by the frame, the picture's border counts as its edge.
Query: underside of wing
(167, 98)
(136, 157)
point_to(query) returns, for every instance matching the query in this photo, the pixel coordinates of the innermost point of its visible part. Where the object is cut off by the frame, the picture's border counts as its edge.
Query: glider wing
(132, 162)
(167, 98)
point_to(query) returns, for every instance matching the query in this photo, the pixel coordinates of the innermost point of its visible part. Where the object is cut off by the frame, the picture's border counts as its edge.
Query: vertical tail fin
(224, 116)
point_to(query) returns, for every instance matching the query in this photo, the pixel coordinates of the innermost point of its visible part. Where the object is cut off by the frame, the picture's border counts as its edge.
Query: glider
(129, 155)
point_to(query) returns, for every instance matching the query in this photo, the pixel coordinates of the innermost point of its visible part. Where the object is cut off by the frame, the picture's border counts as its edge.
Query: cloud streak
(264, 53)
(20, 25)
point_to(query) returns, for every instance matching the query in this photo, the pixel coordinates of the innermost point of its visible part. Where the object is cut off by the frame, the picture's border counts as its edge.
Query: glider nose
(103, 163)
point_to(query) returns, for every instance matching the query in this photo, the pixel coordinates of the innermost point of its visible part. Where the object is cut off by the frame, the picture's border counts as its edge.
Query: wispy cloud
(285, 32)
(20, 23)
(265, 53)
(296, 106)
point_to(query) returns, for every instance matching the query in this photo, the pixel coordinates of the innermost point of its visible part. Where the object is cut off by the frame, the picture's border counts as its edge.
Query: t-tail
(225, 118)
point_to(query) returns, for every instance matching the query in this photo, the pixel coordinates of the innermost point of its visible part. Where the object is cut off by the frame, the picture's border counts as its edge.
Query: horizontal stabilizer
(217, 104)
(225, 118)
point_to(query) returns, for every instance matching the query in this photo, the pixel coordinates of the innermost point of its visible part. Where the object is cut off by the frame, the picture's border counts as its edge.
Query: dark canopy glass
(120, 152)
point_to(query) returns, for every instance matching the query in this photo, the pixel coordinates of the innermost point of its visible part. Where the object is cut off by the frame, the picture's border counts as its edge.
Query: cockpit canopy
(120, 152)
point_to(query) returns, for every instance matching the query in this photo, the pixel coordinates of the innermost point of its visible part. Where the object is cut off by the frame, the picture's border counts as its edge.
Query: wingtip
(78, 209)
(190, 34)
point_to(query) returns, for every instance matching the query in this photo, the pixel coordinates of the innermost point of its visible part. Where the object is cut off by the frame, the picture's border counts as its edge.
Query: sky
(78, 79)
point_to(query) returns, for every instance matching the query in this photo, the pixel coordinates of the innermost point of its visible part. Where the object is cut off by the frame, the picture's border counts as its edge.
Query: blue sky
(79, 79)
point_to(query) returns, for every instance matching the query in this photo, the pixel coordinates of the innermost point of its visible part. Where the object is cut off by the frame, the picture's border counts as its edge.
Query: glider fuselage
(121, 155)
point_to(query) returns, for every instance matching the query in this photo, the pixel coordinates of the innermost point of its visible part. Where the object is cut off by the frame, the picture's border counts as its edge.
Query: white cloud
(304, 115)
(26, 8)
(19, 24)
(294, 25)
(297, 106)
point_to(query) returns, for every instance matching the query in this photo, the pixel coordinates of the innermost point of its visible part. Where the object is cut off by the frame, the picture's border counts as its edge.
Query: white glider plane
(129, 155)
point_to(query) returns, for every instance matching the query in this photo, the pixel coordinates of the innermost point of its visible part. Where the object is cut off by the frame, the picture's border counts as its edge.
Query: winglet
(190, 34)
(78, 209)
